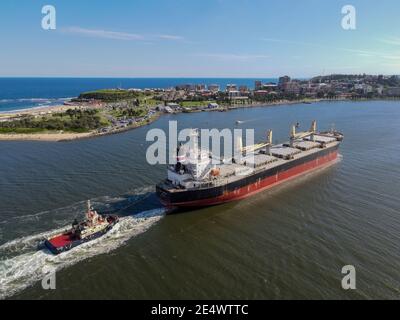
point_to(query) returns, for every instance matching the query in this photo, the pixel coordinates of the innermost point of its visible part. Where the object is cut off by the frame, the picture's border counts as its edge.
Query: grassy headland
(92, 113)
(109, 95)
(73, 120)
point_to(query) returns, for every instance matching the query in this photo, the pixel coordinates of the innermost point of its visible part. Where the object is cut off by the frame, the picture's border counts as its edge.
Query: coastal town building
(393, 92)
(213, 87)
(231, 87)
(233, 94)
(243, 90)
(269, 87)
(261, 93)
(200, 87)
(213, 105)
(185, 87)
(363, 88)
(168, 109)
(173, 106)
(291, 87)
(283, 80)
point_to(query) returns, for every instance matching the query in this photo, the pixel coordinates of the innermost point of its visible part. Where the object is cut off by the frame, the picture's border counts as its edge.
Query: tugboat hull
(67, 241)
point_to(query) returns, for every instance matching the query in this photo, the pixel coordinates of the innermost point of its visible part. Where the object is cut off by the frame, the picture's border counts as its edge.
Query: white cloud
(395, 65)
(357, 52)
(367, 55)
(291, 42)
(170, 37)
(103, 34)
(391, 40)
(230, 56)
(391, 57)
(106, 34)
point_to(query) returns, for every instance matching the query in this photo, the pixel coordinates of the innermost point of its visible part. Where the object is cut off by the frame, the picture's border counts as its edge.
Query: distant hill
(390, 81)
(109, 95)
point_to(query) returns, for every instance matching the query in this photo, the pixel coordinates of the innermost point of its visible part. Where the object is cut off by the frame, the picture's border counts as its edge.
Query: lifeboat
(215, 172)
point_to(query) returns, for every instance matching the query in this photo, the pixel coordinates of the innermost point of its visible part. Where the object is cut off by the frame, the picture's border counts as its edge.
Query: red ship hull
(257, 186)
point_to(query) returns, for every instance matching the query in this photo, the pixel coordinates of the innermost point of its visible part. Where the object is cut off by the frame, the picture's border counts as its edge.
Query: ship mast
(300, 135)
(269, 142)
(88, 209)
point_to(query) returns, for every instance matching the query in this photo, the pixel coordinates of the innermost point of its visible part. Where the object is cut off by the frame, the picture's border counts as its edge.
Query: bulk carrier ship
(196, 182)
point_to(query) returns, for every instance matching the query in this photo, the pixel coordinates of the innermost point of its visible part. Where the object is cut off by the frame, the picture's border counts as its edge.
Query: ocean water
(23, 93)
(290, 242)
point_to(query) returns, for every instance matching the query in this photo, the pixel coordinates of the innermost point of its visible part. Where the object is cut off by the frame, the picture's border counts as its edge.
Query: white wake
(21, 271)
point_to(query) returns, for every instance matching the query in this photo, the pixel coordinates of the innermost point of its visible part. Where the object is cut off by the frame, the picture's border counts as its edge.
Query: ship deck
(280, 154)
(62, 240)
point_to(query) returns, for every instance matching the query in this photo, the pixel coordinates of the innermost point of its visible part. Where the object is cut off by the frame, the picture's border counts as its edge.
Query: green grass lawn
(21, 130)
(189, 104)
(70, 121)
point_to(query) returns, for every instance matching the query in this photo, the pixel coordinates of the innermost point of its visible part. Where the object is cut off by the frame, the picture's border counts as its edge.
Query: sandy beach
(37, 111)
(51, 137)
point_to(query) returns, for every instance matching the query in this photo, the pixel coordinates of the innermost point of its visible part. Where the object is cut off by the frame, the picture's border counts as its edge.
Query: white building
(231, 87)
(213, 105)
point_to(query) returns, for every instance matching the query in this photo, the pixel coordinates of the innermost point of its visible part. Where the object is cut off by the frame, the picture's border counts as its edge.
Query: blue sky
(207, 38)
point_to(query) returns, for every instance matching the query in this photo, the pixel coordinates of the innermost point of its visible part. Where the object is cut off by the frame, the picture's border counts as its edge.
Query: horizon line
(189, 77)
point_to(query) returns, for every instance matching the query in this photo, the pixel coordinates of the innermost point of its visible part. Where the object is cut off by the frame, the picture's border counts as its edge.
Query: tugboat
(95, 226)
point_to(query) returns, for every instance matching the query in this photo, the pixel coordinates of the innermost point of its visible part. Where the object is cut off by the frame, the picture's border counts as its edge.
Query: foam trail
(22, 271)
(38, 224)
(249, 120)
(26, 243)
